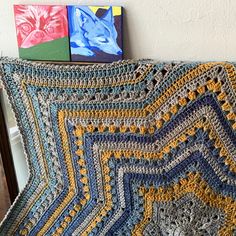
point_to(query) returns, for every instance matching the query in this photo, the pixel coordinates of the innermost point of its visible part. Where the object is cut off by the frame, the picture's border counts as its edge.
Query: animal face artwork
(90, 34)
(95, 32)
(40, 24)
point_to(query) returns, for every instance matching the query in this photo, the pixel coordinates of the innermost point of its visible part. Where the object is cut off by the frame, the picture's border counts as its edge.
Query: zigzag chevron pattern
(128, 148)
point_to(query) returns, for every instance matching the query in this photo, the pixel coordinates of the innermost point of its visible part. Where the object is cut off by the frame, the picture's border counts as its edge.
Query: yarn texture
(127, 148)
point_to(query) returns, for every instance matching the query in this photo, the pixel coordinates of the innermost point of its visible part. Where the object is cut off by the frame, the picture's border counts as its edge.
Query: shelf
(70, 62)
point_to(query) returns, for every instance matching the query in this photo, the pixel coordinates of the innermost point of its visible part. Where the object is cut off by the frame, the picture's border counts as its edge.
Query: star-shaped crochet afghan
(128, 148)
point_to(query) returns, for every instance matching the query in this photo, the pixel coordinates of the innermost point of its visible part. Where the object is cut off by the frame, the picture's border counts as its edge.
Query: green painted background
(56, 50)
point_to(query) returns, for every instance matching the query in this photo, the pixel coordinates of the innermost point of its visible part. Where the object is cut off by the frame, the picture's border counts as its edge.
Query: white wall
(160, 29)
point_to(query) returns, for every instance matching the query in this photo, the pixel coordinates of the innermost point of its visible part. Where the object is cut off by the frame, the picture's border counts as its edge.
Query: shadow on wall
(126, 36)
(4, 194)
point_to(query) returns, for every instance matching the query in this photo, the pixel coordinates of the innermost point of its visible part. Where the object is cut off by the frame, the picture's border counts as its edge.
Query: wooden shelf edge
(70, 62)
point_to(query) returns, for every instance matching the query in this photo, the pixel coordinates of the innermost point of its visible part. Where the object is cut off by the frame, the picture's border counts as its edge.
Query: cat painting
(42, 32)
(95, 33)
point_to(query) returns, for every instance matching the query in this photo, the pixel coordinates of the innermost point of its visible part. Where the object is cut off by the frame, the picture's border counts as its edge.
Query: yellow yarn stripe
(193, 184)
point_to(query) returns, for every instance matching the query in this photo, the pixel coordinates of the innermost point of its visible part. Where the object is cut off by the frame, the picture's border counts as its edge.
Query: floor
(4, 195)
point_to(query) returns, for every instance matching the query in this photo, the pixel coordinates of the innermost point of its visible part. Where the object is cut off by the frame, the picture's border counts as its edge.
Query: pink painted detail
(39, 24)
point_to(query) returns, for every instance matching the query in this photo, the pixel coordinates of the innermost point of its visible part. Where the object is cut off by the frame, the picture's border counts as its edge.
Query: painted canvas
(42, 32)
(95, 33)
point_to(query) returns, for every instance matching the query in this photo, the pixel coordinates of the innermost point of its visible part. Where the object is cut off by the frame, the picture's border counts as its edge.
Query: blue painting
(95, 33)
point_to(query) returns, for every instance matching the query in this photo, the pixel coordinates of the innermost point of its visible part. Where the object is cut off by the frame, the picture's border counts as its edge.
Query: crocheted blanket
(129, 148)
